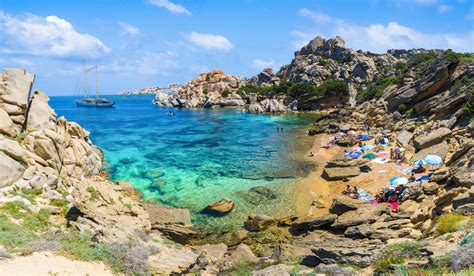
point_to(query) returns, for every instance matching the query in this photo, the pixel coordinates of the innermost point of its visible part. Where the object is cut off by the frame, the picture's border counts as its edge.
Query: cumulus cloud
(170, 6)
(380, 37)
(316, 16)
(262, 64)
(128, 29)
(444, 8)
(210, 41)
(49, 36)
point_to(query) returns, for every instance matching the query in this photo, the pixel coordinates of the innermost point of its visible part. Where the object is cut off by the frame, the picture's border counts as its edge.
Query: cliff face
(40, 151)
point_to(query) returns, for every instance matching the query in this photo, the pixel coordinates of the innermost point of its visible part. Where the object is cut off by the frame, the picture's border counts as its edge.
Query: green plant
(38, 221)
(14, 237)
(58, 202)
(15, 208)
(93, 192)
(448, 223)
(304, 89)
(226, 93)
(450, 56)
(242, 268)
(332, 87)
(396, 254)
(402, 108)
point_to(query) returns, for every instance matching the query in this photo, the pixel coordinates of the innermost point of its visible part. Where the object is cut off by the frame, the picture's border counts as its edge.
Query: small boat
(93, 102)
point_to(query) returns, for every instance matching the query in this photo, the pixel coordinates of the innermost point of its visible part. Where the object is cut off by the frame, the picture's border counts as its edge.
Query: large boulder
(342, 204)
(440, 149)
(40, 114)
(105, 211)
(259, 222)
(461, 166)
(15, 87)
(220, 207)
(430, 139)
(339, 173)
(404, 137)
(360, 216)
(331, 249)
(7, 126)
(310, 224)
(10, 170)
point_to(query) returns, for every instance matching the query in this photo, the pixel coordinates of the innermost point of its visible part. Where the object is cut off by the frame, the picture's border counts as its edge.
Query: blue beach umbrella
(398, 180)
(420, 162)
(364, 137)
(433, 159)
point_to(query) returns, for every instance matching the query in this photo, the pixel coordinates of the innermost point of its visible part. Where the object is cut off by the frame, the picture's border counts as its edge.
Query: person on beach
(412, 178)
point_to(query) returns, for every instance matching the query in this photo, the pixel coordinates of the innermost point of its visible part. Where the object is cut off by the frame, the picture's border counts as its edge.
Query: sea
(199, 156)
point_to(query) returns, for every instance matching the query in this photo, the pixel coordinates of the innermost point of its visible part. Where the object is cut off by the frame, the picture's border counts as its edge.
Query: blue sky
(139, 43)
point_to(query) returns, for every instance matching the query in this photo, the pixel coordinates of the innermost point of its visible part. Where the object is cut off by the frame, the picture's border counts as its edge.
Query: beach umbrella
(398, 180)
(420, 162)
(399, 150)
(433, 159)
(344, 129)
(367, 147)
(386, 131)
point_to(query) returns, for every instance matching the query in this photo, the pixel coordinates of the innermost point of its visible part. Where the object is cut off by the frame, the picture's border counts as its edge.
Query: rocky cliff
(212, 89)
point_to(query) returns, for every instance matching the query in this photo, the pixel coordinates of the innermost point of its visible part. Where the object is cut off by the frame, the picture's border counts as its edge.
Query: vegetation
(301, 90)
(396, 254)
(376, 88)
(448, 223)
(93, 192)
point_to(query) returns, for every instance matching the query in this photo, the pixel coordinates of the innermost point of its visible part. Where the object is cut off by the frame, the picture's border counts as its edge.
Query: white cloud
(316, 16)
(128, 29)
(380, 37)
(170, 6)
(145, 63)
(262, 64)
(210, 41)
(46, 36)
(426, 2)
(444, 8)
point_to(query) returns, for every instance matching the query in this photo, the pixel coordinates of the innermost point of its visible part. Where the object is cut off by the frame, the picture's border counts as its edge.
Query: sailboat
(93, 102)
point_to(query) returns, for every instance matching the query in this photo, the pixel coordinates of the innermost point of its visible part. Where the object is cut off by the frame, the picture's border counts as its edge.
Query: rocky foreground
(55, 197)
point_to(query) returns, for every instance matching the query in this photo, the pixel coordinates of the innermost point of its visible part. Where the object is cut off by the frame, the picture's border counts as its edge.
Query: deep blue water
(197, 156)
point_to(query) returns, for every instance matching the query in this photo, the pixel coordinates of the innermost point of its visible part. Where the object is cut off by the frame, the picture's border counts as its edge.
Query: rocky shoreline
(54, 196)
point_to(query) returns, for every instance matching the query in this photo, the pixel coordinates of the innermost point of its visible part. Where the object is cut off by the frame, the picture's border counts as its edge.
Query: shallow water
(198, 156)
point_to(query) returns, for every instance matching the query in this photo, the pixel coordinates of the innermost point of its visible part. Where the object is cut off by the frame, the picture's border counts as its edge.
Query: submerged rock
(221, 207)
(259, 222)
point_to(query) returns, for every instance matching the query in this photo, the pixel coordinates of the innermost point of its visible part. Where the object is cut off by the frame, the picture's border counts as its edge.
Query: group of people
(351, 192)
(397, 156)
(391, 194)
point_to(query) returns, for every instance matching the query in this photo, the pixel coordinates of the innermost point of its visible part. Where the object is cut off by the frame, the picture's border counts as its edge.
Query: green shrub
(332, 87)
(79, 246)
(58, 202)
(448, 223)
(304, 89)
(396, 254)
(13, 237)
(401, 66)
(242, 268)
(450, 56)
(226, 93)
(402, 108)
(93, 192)
(38, 221)
(15, 208)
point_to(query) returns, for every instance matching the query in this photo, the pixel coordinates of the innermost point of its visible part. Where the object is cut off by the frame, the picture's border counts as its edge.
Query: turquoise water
(197, 156)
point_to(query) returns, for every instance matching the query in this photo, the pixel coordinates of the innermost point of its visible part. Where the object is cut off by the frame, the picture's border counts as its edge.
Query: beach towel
(393, 205)
(383, 153)
(364, 137)
(354, 154)
(379, 160)
(370, 156)
(423, 178)
(363, 195)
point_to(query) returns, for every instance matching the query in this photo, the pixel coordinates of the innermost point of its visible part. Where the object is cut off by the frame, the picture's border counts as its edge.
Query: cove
(199, 156)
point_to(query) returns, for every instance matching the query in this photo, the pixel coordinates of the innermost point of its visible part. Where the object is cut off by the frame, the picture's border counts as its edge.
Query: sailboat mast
(85, 80)
(97, 81)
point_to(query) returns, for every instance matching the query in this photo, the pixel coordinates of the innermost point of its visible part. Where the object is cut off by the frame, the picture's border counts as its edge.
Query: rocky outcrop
(212, 89)
(341, 167)
(104, 211)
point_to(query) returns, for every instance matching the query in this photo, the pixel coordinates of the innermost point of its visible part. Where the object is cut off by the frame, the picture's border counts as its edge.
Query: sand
(46, 263)
(314, 187)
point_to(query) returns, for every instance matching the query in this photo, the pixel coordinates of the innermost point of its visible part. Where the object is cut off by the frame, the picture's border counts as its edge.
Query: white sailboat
(93, 102)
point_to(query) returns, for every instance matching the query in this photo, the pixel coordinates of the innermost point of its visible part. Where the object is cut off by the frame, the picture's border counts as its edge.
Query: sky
(141, 43)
